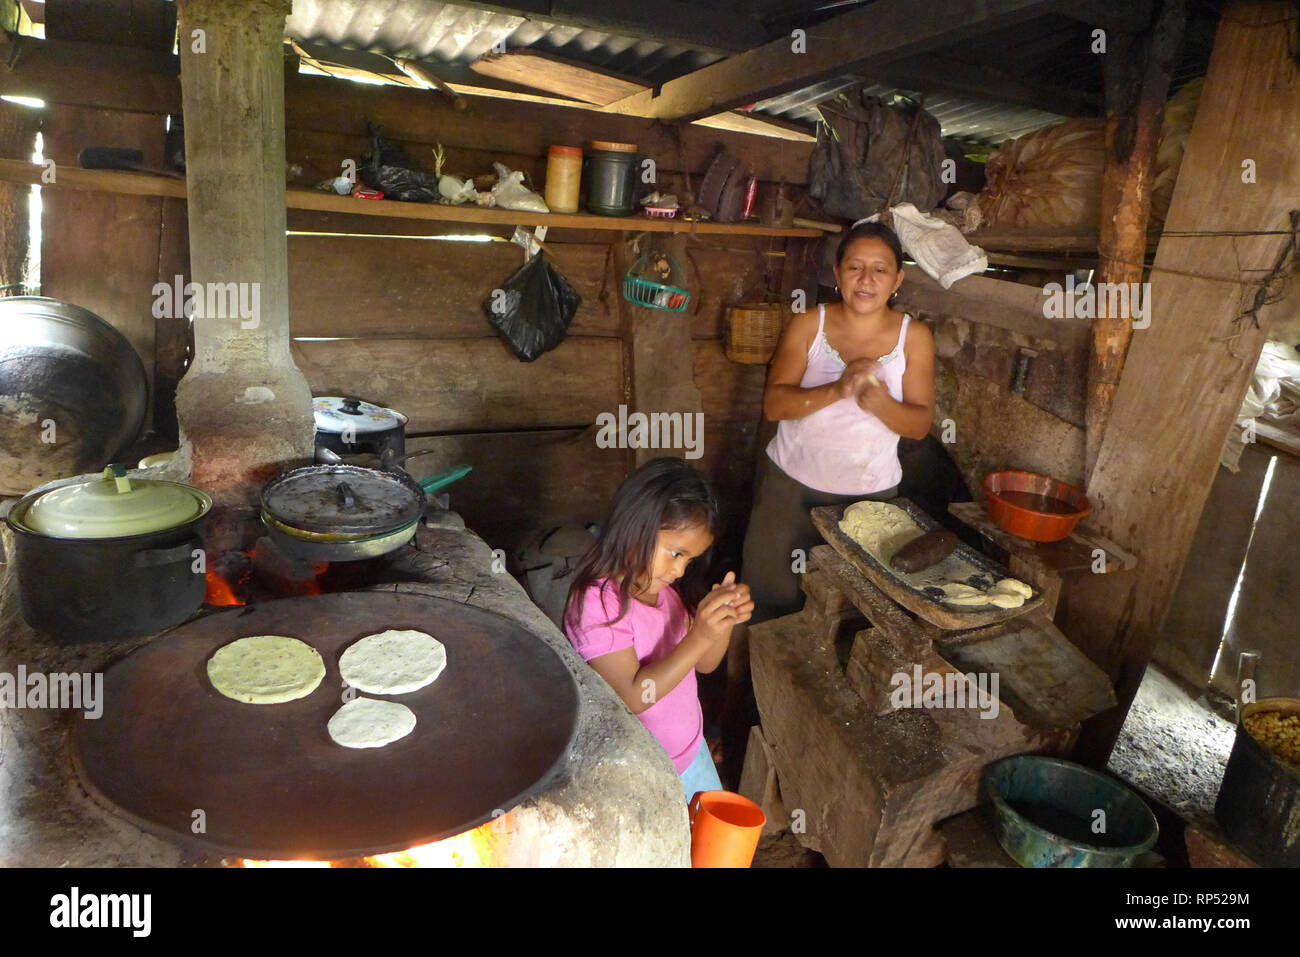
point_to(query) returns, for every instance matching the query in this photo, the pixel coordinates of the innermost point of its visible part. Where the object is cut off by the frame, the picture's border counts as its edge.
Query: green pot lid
(114, 506)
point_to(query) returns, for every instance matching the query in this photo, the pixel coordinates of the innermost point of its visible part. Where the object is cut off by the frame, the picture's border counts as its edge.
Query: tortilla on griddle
(393, 662)
(266, 669)
(370, 723)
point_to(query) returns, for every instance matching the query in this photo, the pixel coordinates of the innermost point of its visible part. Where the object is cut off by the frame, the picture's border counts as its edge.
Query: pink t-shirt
(652, 632)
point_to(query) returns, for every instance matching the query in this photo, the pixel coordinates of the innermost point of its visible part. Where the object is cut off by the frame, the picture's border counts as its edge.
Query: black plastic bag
(533, 308)
(395, 173)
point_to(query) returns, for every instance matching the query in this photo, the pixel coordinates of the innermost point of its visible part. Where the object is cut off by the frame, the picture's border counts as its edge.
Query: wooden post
(1185, 375)
(17, 135)
(244, 407)
(1137, 70)
(658, 350)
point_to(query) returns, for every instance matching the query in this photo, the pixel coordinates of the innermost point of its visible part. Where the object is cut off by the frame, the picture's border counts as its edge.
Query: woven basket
(753, 329)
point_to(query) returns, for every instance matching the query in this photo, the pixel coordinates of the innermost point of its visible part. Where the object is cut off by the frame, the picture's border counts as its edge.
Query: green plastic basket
(655, 295)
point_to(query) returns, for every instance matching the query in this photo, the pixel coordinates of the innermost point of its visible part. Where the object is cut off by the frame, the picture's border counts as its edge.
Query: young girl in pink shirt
(627, 618)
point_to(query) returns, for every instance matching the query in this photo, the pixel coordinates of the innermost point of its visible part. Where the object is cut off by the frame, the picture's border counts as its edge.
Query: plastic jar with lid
(612, 183)
(563, 175)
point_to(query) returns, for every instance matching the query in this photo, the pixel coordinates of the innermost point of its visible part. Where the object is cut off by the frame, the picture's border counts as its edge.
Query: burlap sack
(1049, 179)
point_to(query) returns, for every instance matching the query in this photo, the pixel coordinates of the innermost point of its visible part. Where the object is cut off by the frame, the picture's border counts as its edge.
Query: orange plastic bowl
(1028, 522)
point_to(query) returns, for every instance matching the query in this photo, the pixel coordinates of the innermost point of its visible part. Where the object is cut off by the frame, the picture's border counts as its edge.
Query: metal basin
(1046, 814)
(73, 392)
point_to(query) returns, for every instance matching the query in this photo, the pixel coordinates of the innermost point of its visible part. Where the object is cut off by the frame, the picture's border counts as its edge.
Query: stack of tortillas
(272, 669)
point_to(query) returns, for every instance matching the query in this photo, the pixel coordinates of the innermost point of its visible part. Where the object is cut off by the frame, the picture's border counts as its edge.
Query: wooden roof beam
(855, 42)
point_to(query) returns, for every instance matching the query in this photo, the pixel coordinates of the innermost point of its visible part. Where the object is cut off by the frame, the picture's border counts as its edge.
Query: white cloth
(937, 246)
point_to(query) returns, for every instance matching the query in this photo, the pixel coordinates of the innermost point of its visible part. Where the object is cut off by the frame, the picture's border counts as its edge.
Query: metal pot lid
(335, 413)
(114, 506)
(345, 499)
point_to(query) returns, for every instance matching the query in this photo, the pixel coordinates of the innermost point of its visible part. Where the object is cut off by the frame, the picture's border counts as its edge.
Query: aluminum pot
(73, 392)
(345, 425)
(77, 581)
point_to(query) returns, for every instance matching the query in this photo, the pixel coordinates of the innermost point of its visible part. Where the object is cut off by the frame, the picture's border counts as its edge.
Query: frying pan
(339, 512)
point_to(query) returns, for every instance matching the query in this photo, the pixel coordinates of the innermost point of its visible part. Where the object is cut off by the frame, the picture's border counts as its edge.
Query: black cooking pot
(348, 426)
(77, 581)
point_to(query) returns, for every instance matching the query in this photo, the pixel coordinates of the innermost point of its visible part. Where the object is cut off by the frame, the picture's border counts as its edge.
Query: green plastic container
(611, 178)
(1045, 811)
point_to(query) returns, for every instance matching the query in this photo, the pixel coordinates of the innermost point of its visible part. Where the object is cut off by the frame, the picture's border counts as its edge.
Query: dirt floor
(1173, 748)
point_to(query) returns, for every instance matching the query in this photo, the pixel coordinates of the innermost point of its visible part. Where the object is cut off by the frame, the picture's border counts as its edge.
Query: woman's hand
(726, 605)
(873, 395)
(857, 375)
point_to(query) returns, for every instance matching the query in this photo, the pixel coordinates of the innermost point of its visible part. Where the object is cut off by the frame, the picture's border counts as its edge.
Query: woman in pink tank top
(847, 380)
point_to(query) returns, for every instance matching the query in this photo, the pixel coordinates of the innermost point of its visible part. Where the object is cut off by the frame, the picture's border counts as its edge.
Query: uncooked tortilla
(393, 662)
(266, 669)
(882, 529)
(370, 723)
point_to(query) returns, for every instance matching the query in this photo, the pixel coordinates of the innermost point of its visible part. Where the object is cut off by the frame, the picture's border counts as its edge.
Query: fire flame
(219, 591)
(222, 592)
(484, 846)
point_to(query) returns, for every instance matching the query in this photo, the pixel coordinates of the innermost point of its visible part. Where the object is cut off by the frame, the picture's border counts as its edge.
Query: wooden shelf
(1074, 554)
(153, 184)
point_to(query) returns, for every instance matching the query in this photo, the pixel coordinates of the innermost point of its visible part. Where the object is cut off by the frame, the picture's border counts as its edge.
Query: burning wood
(484, 846)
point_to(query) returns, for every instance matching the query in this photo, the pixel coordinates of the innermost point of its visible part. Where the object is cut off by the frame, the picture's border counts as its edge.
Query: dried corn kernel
(1278, 732)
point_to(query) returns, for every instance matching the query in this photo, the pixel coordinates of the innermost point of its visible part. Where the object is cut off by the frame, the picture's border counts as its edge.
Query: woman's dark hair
(874, 231)
(663, 493)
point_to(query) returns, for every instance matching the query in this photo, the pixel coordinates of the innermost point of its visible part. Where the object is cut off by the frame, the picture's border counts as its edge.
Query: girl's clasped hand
(727, 604)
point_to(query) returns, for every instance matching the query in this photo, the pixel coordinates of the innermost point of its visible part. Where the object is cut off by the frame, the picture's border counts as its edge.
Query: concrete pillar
(244, 407)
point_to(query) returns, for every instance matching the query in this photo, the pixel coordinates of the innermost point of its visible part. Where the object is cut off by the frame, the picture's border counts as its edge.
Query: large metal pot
(127, 567)
(73, 392)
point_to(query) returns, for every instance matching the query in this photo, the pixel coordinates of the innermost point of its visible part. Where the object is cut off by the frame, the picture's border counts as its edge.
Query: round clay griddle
(490, 732)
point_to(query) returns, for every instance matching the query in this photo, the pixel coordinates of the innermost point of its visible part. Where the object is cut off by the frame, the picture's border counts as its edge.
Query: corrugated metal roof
(963, 118)
(452, 34)
(425, 29)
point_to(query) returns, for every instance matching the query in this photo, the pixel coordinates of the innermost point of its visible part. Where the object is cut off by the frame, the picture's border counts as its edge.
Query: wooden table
(862, 781)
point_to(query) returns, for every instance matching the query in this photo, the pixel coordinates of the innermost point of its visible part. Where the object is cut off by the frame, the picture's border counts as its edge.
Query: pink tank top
(841, 449)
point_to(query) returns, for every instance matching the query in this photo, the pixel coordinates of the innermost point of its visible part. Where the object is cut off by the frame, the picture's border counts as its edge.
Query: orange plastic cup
(725, 829)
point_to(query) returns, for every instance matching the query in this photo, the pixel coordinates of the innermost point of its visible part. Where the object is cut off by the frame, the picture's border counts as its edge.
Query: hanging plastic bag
(533, 308)
(511, 193)
(391, 170)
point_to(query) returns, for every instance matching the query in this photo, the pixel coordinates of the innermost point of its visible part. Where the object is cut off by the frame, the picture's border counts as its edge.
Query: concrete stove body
(616, 800)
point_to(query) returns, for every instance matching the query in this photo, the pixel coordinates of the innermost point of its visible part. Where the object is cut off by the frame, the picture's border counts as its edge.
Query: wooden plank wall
(403, 324)
(400, 321)
(102, 251)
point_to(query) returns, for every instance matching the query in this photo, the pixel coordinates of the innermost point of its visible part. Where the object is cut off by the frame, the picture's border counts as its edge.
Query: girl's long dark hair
(663, 493)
